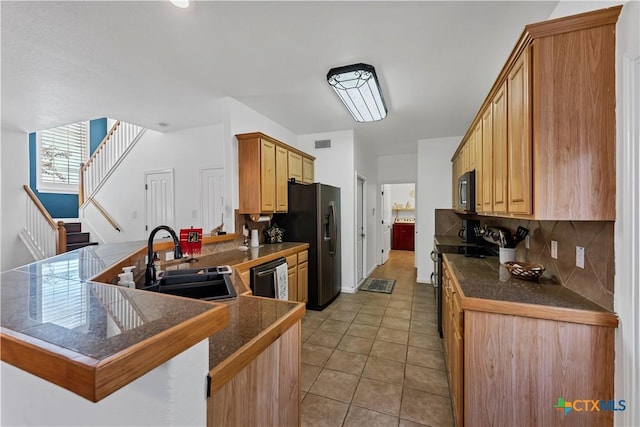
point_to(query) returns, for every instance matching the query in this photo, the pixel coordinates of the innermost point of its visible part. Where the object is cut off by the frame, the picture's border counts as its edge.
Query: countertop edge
(96, 379)
(126, 366)
(544, 312)
(237, 361)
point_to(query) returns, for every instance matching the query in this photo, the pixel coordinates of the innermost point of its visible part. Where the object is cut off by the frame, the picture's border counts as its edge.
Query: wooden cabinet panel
(293, 284)
(517, 367)
(486, 154)
(458, 378)
(307, 170)
(282, 176)
(476, 163)
(455, 168)
(303, 280)
(499, 107)
(266, 391)
(519, 136)
(267, 176)
(292, 265)
(295, 166)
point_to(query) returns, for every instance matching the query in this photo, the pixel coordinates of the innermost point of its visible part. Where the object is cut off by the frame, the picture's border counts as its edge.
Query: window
(61, 151)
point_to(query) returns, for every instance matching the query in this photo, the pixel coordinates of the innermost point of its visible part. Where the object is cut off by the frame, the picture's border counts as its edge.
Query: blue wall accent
(97, 131)
(62, 205)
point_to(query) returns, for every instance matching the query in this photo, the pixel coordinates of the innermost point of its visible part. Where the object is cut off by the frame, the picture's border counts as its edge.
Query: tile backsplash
(594, 282)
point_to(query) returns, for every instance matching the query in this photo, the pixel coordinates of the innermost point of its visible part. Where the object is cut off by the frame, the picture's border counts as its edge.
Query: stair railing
(107, 156)
(41, 234)
(105, 214)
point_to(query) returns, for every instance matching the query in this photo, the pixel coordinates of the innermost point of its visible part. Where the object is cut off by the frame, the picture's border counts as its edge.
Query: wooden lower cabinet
(303, 281)
(298, 276)
(452, 319)
(292, 265)
(516, 369)
(266, 392)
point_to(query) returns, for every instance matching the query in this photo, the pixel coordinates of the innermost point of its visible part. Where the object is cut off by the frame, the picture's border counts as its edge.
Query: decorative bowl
(524, 270)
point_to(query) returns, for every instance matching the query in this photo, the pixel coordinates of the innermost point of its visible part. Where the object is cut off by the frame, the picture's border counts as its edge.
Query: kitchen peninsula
(144, 358)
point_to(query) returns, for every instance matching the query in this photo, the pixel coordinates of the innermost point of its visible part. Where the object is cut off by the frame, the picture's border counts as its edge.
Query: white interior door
(212, 198)
(159, 201)
(360, 235)
(386, 223)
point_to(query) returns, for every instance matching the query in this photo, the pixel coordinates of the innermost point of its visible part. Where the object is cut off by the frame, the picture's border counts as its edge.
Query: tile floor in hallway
(373, 359)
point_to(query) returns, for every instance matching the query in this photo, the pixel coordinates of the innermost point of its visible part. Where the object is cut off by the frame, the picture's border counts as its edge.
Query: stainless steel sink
(205, 283)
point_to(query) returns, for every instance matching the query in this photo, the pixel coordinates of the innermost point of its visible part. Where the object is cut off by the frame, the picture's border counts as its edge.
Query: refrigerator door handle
(333, 228)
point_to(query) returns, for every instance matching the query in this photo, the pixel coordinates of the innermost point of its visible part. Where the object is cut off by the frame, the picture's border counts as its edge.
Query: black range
(436, 256)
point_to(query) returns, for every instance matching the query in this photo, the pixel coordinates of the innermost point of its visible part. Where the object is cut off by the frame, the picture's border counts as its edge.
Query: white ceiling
(149, 62)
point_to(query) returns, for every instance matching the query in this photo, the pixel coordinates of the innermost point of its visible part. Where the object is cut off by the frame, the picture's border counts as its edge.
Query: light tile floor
(373, 359)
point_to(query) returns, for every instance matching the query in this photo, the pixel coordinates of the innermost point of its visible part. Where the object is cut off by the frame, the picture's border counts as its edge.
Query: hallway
(374, 359)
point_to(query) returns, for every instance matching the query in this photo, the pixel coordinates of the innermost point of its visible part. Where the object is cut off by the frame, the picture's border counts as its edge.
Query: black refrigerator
(314, 217)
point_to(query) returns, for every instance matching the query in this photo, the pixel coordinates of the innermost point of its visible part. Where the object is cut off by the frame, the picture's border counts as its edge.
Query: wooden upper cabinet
(476, 163)
(295, 166)
(267, 176)
(554, 108)
(519, 136)
(263, 172)
(282, 176)
(307, 170)
(499, 155)
(486, 154)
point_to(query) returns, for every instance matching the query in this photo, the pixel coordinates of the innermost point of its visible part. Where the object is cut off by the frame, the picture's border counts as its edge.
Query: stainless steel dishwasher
(263, 278)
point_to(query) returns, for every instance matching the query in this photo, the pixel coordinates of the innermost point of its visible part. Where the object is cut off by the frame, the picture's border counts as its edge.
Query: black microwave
(467, 192)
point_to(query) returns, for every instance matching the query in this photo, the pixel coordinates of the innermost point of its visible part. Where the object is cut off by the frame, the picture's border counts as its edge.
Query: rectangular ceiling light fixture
(358, 88)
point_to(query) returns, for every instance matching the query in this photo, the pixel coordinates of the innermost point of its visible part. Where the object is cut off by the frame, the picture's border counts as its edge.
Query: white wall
(173, 394)
(185, 152)
(401, 194)
(397, 169)
(336, 166)
(15, 174)
(433, 191)
(627, 234)
(366, 166)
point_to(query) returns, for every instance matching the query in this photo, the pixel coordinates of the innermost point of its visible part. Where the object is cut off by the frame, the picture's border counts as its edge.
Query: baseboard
(348, 290)
(373, 267)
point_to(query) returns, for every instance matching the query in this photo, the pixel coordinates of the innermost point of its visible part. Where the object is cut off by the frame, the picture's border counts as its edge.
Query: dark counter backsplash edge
(595, 282)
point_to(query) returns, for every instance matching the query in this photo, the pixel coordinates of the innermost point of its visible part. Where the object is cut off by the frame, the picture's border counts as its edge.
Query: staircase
(76, 238)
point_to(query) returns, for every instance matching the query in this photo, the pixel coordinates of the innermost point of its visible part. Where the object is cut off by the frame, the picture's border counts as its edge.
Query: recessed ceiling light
(182, 4)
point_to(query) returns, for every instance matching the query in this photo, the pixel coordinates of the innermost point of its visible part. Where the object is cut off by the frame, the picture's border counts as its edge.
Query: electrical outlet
(134, 214)
(554, 249)
(194, 213)
(168, 256)
(579, 256)
(527, 242)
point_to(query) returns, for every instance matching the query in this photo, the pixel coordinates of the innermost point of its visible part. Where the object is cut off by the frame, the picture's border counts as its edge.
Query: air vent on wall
(323, 143)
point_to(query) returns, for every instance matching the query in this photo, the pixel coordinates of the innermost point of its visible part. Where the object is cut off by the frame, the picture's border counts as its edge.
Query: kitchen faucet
(150, 274)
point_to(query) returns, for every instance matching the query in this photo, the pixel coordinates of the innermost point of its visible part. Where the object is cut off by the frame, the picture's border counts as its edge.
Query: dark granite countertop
(54, 301)
(248, 317)
(485, 278)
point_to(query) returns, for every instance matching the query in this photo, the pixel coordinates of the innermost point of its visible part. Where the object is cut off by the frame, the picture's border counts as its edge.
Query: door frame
(201, 177)
(361, 185)
(172, 208)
